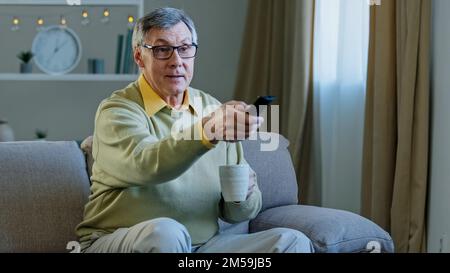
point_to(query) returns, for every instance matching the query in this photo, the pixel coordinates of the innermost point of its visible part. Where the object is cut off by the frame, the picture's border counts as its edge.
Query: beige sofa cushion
(43, 189)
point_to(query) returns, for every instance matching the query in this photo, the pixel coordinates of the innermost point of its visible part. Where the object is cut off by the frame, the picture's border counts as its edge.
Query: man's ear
(138, 57)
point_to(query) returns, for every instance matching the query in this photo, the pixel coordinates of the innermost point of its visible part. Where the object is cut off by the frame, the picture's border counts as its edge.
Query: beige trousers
(165, 235)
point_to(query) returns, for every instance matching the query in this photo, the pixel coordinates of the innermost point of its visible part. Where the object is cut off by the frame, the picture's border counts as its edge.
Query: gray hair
(162, 18)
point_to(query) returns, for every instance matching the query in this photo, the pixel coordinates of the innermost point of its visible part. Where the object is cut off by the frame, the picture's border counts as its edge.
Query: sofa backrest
(43, 189)
(276, 174)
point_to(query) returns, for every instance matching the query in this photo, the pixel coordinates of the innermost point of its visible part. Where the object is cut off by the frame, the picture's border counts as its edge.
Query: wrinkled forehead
(176, 34)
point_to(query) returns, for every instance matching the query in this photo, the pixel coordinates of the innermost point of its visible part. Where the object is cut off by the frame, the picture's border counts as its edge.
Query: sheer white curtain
(340, 64)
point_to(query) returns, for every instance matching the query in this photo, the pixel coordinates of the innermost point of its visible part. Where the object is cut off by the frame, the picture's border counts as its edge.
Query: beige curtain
(276, 59)
(395, 159)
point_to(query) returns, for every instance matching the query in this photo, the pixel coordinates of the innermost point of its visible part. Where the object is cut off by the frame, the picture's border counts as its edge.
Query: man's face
(167, 77)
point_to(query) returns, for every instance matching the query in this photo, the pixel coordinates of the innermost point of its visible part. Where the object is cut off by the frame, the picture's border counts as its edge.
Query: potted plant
(25, 57)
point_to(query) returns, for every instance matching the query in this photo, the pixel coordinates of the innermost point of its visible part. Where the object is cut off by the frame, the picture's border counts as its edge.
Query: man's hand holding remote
(231, 123)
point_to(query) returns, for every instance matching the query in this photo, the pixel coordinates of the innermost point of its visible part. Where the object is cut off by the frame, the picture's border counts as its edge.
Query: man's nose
(175, 59)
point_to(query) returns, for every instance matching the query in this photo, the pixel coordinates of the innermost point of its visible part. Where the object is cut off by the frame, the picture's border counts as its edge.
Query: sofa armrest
(330, 230)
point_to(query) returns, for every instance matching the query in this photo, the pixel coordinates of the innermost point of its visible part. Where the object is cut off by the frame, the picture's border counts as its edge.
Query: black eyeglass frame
(173, 49)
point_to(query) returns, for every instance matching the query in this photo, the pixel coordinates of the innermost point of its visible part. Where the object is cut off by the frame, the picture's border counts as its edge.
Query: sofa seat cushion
(330, 230)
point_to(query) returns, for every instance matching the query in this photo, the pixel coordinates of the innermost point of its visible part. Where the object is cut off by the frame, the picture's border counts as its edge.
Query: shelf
(67, 77)
(138, 3)
(68, 3)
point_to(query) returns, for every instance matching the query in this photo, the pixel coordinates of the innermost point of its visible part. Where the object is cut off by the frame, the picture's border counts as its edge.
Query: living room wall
(67, 108)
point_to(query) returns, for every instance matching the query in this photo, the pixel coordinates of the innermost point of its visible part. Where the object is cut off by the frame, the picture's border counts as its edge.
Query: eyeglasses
(165, 52)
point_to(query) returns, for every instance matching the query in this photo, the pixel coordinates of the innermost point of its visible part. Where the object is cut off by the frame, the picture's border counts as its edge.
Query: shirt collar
(153, 103)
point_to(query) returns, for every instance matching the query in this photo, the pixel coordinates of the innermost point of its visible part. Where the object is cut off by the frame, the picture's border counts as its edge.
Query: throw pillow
(330, 230)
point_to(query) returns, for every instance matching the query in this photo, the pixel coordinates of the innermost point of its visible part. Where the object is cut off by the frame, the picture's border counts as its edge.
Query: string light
(105, 18)
(63, 21)
(40, 23)
(85, 14)
(130, 21)
(85, 21)
(15, 24)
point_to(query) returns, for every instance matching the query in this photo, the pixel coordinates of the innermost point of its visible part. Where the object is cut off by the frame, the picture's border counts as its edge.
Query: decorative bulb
(130, 21)
(63, 21)
(85, 21)
(106, 16)
(15, 24)
(39, 23)
(85, 14)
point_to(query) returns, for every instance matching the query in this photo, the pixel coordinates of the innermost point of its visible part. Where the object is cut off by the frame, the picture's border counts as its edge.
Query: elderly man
(154, 190)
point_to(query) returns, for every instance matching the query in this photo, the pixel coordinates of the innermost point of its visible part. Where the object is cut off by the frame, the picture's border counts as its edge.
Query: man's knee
(291, 240)
(162, 235)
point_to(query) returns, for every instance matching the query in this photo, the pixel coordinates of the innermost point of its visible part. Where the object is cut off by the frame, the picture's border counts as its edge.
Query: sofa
(44, 186)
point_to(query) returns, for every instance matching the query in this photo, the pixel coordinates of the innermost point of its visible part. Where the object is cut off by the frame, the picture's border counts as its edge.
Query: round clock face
(57, 50)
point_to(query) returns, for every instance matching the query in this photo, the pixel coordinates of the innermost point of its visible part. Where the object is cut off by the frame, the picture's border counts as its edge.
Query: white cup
(234, 182)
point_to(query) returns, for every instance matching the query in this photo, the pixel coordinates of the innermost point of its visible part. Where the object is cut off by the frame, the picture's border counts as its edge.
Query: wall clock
(57, 50)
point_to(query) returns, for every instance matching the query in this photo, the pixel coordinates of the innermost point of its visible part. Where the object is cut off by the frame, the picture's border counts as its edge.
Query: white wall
(67, 109)
(439, 191)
